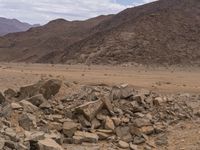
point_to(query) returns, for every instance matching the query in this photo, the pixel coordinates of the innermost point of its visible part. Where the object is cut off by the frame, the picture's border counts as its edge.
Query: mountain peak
(12, 26)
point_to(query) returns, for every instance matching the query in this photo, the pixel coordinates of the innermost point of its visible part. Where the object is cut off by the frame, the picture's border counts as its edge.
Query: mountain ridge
(163, 32)
(13, 25)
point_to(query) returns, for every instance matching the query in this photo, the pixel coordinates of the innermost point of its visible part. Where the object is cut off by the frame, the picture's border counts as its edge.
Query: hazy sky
(42, 11)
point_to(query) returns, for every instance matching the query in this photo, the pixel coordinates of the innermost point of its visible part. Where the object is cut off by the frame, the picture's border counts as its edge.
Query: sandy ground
(158, 79)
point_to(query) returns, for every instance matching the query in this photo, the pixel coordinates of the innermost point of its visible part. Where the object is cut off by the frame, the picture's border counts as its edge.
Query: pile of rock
(121, 116)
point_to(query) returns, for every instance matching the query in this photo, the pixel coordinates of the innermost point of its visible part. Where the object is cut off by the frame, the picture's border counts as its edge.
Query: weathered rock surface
(123, 145)
(27, 121)
(48, 144)
(69, 128)
(50, 88)
(126, 121)
(36, 100)
(90, 109)
(80, 137)
(46, 88)
(121, 92)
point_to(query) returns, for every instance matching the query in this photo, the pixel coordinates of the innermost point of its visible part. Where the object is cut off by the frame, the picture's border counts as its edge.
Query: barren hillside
(164, 32)
(55, 36)
(13, 25)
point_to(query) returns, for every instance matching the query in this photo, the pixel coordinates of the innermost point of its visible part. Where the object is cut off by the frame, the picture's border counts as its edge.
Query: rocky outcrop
(119, 116)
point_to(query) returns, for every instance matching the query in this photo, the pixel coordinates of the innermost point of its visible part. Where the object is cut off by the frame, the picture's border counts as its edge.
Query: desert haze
(125, 81)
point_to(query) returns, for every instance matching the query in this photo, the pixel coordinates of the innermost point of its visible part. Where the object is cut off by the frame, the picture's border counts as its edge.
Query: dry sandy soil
(171, 80)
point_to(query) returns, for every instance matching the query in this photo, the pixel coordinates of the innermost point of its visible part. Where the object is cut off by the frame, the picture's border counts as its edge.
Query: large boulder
(30, 90)
(50, 88)
(46, 88)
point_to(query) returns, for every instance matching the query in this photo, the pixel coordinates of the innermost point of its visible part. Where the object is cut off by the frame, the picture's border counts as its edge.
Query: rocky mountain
(13, 25)
(165, 32)
(37, 42)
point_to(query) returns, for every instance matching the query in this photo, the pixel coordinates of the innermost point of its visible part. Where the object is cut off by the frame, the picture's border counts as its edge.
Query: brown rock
(102, 136)
(136, 107)
(34, 136)
(95, 123)
(10, 93)
(133, 146)
(36, 100)
(46, 88)
(29, 91)
(55, 126)
(90, 109)
(117, 121)
(135, 130)
(158, 101)
(147, 130)
(138, 140)
(121, 92)
(45, 105)
(109, 124)
(108, 105)
(69, 128)
(84, 122)
(49, 144)
(126, 91)
(11, 134)
(140, 122)
(123, 144)
(50, 88)
(28, 107)
(80, 137)
(16, 106)
(27, 121)
(124, 133)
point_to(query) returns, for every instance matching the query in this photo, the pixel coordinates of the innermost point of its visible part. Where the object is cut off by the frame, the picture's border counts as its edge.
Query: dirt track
(158, 79)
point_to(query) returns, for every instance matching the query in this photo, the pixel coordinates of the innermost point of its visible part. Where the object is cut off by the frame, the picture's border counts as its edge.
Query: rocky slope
(53, 37)
(165, 32)
(13, 25)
